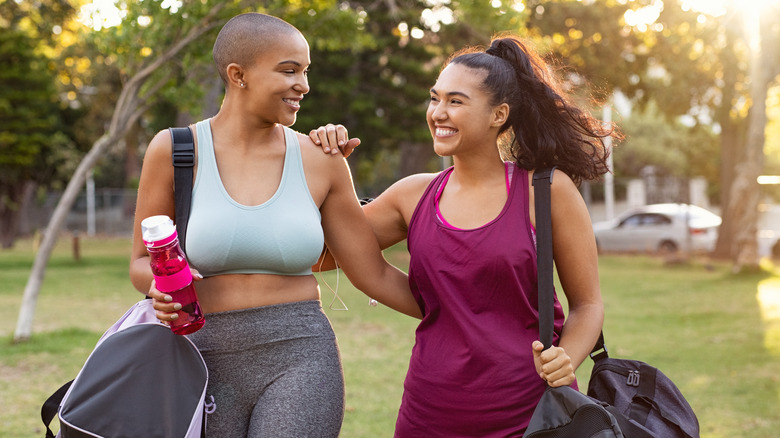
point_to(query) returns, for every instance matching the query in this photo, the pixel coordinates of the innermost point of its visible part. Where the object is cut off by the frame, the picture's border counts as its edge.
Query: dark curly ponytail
(544, 129)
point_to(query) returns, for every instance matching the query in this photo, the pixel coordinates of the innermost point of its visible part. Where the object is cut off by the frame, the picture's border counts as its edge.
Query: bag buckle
(183, 158)
(633, 378)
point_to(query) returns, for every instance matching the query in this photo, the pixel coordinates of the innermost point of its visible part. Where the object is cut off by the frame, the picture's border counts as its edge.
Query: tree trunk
(730, 140)
(10, 209)
(129, 108)
(415, 158)
(745, 192)
(132, 167)
(30, 297)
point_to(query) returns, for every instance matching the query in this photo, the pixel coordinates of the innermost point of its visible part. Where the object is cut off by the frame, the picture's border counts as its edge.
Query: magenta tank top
(471, 372)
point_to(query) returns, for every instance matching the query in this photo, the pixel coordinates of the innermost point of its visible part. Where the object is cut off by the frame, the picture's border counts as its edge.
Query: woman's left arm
(576, 261)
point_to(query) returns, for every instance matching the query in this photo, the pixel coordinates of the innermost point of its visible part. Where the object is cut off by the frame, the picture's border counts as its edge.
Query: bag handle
(542, 180)
(183, 155)
(51, 407)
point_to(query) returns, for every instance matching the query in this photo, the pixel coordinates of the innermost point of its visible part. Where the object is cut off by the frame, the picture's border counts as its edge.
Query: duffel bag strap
(629, 428)
(642, 402)
(51, 407)
(542, 180)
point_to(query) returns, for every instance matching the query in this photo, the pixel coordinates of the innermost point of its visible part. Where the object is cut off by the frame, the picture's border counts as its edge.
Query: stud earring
(242, 85)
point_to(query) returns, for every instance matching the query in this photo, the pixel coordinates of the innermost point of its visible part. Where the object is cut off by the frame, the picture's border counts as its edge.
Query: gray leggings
(274, 371)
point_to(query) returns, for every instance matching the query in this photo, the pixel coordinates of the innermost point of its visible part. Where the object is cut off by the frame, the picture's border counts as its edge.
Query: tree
(689, 63)
(34, 144)
(674, 149)
(744, 191)
(32, 140)
(378, 89)
(152, 48)
(132, 103)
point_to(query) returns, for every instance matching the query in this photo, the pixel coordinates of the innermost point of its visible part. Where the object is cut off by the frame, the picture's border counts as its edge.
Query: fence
(110, 212)
(113, 209)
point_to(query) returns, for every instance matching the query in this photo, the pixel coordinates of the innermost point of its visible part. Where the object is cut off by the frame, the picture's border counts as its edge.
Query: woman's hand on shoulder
(553, 365)
(334, 139)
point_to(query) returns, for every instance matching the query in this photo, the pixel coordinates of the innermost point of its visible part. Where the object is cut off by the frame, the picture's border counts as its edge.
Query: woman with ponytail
(477, 368)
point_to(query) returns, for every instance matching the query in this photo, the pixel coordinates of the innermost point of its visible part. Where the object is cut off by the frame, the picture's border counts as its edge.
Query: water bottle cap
(157, 231)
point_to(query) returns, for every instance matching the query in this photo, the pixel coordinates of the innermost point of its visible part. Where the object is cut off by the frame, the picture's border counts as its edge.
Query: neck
(474, 171)
(237, 128)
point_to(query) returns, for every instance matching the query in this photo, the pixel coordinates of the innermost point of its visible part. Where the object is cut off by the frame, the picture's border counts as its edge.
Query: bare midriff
(243, 291)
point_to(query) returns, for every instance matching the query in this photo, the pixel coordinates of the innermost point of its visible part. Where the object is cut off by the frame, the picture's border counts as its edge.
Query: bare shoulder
(326, 174)
(314, 154)
(561, 185)
(404, 194)
(567, 200)
(412, 184)
(160, 146)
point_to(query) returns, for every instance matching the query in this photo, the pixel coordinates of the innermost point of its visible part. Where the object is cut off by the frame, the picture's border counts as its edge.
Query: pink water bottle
(172, 272)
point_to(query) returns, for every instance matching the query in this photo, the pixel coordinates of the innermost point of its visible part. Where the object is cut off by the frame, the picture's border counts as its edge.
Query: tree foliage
(144, 72)
(34, 148)
(374, 60)
(673, 149)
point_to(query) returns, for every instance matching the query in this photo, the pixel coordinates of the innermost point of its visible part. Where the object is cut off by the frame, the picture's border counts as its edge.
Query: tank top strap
(206, 162)
(205, 142)
(293, 148)
(293, 164)
(427, 202)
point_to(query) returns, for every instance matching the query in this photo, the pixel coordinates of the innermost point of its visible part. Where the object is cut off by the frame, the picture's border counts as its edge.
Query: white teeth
(443, 132)
(291, 102)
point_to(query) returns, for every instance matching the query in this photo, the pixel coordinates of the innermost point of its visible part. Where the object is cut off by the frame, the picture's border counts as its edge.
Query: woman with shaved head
(264, 201)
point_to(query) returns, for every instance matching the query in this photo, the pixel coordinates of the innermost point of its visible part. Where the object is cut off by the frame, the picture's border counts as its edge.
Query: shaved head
(245, 37)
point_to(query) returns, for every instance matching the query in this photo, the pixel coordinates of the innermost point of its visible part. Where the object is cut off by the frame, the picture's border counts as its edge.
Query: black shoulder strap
(183, 152)
(544, 253)
(544, 261)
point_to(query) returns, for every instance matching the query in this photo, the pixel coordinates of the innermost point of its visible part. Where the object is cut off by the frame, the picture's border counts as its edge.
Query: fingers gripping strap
(183, 155)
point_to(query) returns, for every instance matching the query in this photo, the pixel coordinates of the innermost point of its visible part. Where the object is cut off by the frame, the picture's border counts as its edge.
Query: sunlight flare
(768, 298)
(717, 8)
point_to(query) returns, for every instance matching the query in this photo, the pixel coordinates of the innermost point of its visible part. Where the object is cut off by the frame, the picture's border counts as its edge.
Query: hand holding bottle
(166, 309)
(172, 275)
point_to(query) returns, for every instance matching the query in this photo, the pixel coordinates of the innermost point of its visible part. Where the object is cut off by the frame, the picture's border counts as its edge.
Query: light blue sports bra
(280, 236)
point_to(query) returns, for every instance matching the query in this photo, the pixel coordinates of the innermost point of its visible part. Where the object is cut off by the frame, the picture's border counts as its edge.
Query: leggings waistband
(245, 328)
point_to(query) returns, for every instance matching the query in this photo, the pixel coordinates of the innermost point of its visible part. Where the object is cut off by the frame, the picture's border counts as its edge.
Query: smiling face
(278, 80)
(460, 117)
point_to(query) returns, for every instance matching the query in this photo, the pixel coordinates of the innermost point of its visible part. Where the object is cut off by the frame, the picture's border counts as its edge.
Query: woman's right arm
(388, 215)
(155, 196)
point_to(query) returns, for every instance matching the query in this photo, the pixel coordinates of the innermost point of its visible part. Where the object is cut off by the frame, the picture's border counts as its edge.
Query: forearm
(391, 288)
(141, 274)
(581, 330)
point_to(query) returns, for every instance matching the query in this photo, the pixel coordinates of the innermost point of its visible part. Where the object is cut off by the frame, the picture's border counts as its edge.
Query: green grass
(702, 326)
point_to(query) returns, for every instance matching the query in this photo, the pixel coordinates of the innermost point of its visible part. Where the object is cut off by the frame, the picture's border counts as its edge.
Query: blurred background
(692, 84)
